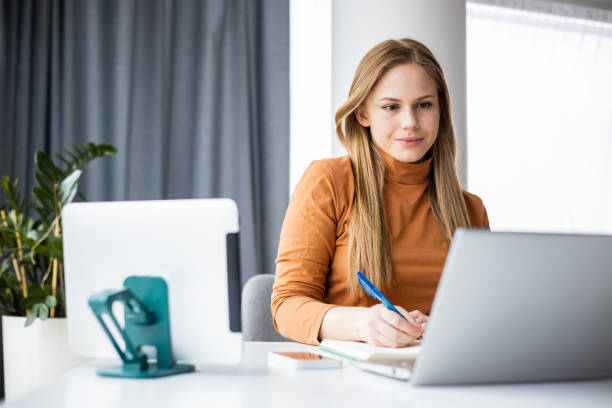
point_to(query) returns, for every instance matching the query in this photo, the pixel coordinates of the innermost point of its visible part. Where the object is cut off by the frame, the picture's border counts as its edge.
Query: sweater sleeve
(306, 248)
(485, 221)
(476, 211)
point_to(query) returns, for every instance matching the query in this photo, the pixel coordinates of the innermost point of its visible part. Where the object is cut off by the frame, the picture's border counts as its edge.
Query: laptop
(398, 369)
(516, 307)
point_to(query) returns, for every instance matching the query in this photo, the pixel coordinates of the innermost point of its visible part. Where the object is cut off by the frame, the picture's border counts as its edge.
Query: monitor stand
(147, 323)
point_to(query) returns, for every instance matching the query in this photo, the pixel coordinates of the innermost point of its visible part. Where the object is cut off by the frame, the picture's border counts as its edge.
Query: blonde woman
(388, 209)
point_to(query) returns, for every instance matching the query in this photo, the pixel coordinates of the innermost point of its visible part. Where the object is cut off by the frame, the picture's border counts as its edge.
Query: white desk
(256, 386)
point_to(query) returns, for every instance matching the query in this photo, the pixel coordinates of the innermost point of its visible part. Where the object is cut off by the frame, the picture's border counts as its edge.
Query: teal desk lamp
(147, 323)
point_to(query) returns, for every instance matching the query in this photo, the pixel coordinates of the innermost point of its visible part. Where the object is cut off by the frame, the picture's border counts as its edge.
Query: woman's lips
(409, 141)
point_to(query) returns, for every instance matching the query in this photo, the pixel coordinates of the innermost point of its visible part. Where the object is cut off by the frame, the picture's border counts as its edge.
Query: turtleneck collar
(405, 173)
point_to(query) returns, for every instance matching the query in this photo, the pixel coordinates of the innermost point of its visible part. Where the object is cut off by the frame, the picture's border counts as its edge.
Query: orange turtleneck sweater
(312, 258)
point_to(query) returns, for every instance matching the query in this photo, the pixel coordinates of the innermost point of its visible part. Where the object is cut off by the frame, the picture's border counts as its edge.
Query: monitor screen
(192, 244)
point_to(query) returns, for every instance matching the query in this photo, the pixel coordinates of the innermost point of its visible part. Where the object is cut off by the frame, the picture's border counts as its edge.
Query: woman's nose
(409, 119)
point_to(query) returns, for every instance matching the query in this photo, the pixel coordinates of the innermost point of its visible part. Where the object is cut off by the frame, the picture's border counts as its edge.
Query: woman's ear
(362, 117)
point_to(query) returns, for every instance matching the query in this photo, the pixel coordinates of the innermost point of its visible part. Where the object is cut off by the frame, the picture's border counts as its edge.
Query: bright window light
(540, 119)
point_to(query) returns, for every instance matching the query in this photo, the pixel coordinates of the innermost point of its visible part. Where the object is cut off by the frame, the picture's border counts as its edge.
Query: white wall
(310, 84)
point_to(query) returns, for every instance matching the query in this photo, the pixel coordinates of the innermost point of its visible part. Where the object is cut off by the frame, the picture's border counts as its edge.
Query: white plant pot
(34, 355)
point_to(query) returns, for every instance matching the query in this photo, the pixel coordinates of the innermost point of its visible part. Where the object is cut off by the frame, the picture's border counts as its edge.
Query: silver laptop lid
(516, 307)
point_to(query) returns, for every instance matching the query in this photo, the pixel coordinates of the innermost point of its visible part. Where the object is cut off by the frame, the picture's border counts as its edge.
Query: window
(540, 118)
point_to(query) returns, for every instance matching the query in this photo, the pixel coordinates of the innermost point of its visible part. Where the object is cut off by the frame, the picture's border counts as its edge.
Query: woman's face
(403, 113)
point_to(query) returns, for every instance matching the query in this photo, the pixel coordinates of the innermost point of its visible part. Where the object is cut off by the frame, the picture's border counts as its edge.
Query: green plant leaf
(18, 224)
(45, 165)
(43, 311)
(68, 187)
(9, 295)
(32, 233)
(29, 225)
(6, 183)
(13, 194)
(62, 159)
(5, 265)
(36, 295)
(44, 182)
(83, 154)
(51, 301)
(51, 247)
(31, 316)
(11, 281)
(44, 199)
(38, 291)
(73, 159)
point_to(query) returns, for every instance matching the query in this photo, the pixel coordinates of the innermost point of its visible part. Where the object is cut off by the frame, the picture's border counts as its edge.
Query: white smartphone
(300, 359)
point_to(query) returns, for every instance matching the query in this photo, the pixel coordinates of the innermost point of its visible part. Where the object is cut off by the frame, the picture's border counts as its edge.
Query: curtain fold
(193, 93)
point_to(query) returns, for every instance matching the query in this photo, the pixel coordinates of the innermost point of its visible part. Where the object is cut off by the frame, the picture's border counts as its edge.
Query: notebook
(355, 350)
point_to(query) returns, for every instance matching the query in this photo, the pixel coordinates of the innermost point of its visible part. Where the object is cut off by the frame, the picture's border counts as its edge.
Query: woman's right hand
(382, 327)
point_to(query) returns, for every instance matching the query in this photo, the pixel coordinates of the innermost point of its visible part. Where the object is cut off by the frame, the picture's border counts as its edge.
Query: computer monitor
(192, 244)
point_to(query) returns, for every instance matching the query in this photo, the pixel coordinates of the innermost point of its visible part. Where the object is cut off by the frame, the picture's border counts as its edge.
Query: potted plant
(32, 268)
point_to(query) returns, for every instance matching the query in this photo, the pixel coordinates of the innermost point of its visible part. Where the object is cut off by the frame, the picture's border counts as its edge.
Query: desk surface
(256, 386)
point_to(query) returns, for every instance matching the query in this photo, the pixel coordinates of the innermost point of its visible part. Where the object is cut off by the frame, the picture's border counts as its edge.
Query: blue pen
(375, 293)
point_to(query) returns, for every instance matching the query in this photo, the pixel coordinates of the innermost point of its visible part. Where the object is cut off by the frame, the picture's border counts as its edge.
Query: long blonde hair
(369, 241)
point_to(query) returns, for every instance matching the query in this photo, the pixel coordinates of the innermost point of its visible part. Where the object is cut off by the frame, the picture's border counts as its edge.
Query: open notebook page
(362, 351)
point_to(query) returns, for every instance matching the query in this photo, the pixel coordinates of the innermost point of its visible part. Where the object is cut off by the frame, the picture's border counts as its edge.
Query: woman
(388, 209)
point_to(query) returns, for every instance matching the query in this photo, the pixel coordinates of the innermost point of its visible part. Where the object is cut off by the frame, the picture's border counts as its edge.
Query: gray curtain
(193, 93)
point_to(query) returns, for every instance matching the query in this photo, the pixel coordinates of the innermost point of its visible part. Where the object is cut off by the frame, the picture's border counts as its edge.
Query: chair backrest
(256, 313)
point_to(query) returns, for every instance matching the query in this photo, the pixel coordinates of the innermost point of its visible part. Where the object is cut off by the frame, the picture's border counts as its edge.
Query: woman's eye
(390, 107)
(425, 105)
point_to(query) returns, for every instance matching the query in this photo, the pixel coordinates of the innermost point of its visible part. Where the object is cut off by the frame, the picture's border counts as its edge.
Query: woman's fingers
(405, 322)
(391, 336)
(418, 316)
(407, 325)
(384, 335)
(386, 328)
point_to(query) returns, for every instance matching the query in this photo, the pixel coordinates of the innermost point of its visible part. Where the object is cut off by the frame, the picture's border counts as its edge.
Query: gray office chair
(256, 314)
